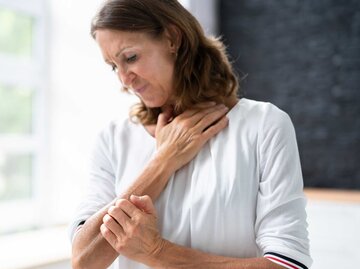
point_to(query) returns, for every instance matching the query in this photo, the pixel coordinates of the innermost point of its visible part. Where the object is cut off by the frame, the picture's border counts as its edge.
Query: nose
(126, 77)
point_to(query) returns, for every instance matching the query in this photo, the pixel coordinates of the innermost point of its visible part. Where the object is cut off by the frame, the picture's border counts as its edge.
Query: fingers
(215, 129)
(121, 215)
(124, 210)
(127, 207)
(118, 217)
(111, 224)
(143, 203)
(198, 107)
(128, 229)
(108, 235)
(206, 117)
(211, 117)
(191, 115)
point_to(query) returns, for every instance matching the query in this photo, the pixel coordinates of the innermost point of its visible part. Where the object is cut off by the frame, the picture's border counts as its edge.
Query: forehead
(114, 39)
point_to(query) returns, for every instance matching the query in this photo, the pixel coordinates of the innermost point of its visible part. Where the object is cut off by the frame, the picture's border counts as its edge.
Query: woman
(224, 174)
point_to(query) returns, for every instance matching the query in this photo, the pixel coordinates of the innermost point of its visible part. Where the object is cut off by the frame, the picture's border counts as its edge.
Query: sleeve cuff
(284, 261)
(74, 228)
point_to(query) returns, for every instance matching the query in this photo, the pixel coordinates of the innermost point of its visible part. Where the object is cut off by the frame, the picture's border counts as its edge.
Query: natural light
(56, 95)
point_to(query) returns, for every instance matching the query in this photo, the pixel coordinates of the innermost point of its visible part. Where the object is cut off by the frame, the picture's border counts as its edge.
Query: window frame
(27, 213)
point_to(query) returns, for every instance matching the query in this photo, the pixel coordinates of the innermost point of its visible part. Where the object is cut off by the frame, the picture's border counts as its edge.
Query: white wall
(206, 12)
(84, 95)
(334, 234)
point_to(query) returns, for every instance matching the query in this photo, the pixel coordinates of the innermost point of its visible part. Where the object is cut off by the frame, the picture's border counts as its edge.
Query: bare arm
(89, 244)
(134, 234)
(178, 142)
(173, 256)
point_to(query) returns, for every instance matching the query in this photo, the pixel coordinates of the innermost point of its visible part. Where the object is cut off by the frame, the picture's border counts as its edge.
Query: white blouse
(241, 196)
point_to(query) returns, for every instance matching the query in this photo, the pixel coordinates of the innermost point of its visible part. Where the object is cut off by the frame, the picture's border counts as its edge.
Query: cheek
(158, 70)
(167, 73)
(161, 73)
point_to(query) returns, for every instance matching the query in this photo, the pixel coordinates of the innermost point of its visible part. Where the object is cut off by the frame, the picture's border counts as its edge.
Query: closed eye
(131, 59)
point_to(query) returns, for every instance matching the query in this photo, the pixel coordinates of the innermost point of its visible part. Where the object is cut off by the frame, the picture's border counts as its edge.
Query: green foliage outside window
(16, 105)
(16, 32)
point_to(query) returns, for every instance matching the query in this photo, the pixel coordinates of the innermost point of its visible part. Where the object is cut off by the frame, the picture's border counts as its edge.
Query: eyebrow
(117, 54)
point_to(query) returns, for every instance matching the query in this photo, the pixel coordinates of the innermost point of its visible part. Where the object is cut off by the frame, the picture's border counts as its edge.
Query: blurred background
(56, 94)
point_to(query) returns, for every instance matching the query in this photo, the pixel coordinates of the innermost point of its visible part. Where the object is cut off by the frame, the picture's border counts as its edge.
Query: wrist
(156, 257)
(165, 162)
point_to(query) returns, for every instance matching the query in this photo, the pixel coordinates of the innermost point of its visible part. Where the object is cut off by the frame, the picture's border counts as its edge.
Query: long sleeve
(281, 227)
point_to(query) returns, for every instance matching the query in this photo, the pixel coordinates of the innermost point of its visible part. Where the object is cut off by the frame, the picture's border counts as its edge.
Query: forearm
(152, 179)
(89, 245)
(172, 256)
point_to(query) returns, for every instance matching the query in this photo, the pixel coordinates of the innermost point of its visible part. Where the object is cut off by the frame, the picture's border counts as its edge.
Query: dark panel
(304, 56)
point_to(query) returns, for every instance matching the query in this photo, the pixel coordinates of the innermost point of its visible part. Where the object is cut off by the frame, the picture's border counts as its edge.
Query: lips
(140, 90)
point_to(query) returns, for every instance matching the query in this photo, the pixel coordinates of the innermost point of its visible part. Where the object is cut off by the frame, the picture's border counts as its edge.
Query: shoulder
(117, 127)
(262, 116)
(114, 131)
(273, 126)
(260, 109)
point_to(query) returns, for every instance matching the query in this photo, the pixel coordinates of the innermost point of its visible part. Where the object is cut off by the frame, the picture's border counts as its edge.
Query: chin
(153, 103)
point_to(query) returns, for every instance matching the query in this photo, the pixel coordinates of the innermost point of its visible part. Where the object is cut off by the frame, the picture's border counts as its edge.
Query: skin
(177, 144)
(143, 65)
(130, 228)
(128, 225)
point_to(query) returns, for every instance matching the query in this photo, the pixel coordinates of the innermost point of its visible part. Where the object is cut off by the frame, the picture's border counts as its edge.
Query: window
(22, 86)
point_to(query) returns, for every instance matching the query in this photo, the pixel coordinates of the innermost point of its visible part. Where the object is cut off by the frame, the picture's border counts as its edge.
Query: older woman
(224, 173)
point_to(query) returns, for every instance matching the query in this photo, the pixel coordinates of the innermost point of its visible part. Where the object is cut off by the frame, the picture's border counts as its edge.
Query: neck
(230, 103)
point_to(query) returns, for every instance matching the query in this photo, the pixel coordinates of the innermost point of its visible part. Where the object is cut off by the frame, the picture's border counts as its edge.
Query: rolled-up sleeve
(281, 226)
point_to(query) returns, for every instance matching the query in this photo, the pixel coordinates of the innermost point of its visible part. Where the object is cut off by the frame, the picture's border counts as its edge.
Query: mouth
(140, 90)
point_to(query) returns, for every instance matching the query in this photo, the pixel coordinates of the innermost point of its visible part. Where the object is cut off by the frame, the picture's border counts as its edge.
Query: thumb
(143, 203)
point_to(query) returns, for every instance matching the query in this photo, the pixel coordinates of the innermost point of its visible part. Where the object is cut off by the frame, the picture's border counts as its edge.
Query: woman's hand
(130, 227)
(181, 139)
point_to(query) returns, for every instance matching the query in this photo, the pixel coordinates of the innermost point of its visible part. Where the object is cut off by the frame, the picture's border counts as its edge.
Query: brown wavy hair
(202, 68)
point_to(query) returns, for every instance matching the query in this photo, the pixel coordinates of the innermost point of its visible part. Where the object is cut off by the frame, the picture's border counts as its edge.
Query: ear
(173, 35)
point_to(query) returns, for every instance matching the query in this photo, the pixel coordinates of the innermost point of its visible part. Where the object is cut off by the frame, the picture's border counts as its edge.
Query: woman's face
(144, 65)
